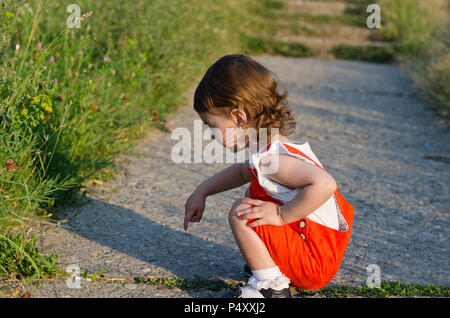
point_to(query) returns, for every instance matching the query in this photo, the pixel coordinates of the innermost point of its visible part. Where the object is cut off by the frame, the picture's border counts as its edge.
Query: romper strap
(295, 150)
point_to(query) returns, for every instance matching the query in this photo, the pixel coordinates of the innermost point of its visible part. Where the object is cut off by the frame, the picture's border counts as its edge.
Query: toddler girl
(293, 225)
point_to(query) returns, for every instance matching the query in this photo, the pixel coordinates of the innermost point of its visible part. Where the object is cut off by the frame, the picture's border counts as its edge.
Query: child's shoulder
(285, 149)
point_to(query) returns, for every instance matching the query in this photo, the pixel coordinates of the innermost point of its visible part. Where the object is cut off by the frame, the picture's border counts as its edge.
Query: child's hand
(265, 211)
(193, 209)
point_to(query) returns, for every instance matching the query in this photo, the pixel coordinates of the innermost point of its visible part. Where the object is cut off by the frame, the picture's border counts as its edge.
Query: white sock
(269, 278)
(250, 292)
(267, 273)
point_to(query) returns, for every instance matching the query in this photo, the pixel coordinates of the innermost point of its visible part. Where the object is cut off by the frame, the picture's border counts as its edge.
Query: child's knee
(233, 218)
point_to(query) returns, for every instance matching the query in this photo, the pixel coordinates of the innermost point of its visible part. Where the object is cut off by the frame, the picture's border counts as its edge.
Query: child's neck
(279, 137)
(260, 145)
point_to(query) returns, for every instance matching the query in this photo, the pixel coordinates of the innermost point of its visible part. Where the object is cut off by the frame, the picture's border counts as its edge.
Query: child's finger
(187, 219)
(243, 210)
(199, 216)
(250, 215)
(247, 210)
(252, 201)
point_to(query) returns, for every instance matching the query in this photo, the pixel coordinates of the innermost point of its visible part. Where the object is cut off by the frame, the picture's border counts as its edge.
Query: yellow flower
(41, 116)
(25, 111)
(47, 99)
(36, 100)
(34, 124)
(47, 107)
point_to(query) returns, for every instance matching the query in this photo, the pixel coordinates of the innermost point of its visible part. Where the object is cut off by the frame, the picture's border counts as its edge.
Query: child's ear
(239, 117)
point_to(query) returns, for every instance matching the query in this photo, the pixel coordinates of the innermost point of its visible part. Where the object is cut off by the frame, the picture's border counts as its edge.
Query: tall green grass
(20, 258)
(421, 31)
(72, 99)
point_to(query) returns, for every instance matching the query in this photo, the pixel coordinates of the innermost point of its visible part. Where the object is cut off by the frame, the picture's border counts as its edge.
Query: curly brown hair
(238, 81)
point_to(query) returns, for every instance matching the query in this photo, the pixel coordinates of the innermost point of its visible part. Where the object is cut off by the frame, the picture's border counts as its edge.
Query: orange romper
(307, 252)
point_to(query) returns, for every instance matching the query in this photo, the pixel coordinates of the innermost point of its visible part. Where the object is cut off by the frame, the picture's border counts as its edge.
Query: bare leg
(251, 246)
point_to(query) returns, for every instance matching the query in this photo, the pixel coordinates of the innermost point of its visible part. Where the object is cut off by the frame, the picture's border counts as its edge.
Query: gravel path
(369, 130)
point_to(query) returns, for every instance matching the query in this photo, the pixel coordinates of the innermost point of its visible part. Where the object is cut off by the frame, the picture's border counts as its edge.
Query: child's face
(227, 128)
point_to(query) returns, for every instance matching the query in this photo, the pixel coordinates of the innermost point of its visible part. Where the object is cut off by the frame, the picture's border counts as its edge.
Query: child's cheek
(228, 138)
(218, 135)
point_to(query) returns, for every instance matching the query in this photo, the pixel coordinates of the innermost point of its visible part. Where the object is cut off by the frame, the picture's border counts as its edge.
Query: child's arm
(229, 178)
(316, 185)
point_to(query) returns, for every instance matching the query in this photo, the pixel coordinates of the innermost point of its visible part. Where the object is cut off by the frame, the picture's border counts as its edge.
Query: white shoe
(247, 292)
(276, 288)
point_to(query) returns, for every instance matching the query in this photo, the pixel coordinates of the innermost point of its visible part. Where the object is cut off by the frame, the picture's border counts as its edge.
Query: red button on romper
(308, 253)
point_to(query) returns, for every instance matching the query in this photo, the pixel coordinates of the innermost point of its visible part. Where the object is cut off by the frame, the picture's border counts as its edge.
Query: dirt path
(366, 126)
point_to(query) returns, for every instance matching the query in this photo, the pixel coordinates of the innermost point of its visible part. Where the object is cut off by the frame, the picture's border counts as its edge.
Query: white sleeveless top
(328, 214)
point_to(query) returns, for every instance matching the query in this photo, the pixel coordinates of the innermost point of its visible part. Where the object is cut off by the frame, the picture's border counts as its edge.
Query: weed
(387, 289)
(369, 53)
(187, 284)
(259, 45)
(20, 258)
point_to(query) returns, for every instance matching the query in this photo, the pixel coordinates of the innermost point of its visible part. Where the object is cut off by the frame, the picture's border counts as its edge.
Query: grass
(369, 53)
(72, 99)
(21, 259)
(195, 283)
(387, 289)
(276, 10)
(349, 1)
(421, 31)
(260, 45)
(432, 75)
(298, 17)
(259, 24)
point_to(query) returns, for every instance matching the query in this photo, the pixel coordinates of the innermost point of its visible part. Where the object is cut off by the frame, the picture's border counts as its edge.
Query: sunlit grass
(104, 84)
(421, 31)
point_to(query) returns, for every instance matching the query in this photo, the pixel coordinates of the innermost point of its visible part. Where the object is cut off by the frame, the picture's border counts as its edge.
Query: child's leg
(267, 280)
(250, 244)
